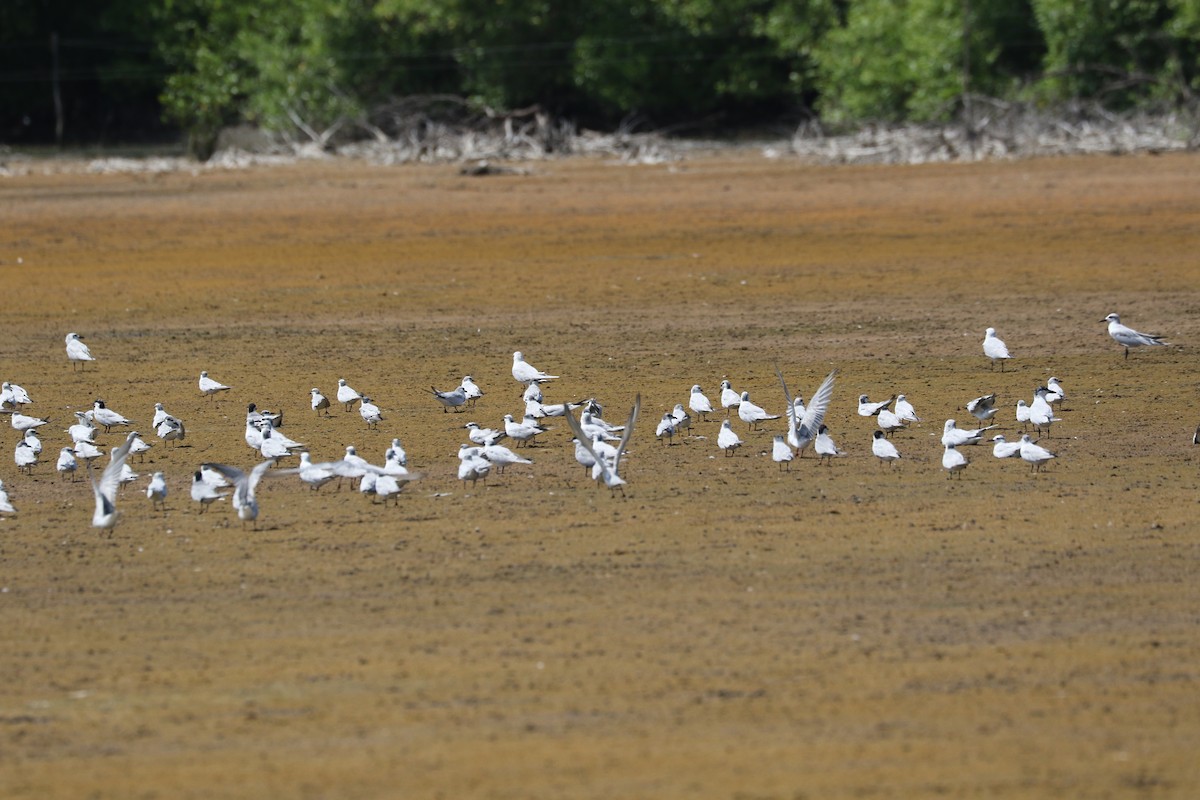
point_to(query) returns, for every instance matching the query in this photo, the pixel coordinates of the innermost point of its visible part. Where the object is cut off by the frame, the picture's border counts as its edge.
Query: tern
(156, 491)
(524, 372)
(729, 398)
(1004, 448)
(471, 389)
(889, 422)
(23, 422)
(905, 410)
(370, 413)
(483, 436)
(105, 492)
(500, 456)
(954, 461)
(347, 396)
(455, 398)
(12, 396)
(751, 414)
(472, 466)
(1127, 337)
(683, 420)
(1034, 454)
(825, 447)
(727, 440)
(320, 403)
(699, 403)
(106, 417)
(139, 447)
(66, 463)
(171, 429)
(665, 431)
(522, 432)
(994, 348)
(868, 409)
(983, 408)
(77, 352)
(203, 492)
(781, 452)
(209, 387)
(884, 450)
(953, 436)
(24, 457)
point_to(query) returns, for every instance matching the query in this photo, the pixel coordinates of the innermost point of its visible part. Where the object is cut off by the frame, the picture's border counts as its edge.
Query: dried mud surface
(726, 630)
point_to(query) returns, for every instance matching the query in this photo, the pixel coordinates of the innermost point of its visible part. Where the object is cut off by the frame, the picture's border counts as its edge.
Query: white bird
(275, 445)
(954, 436)
(87, 451)
(953, 461)
(105, 417)
(471, 465)
(994, 348)
(370, 413)
(84, 430)
(24, 457)
(699, 403)
(595, 427)
(802, 430)
(586, 455)
(1022, 413)
(607, 469)
(6, 506)
(825, 447)
(23, 422)
(868, 409)
(66, 463)
(1056, 392)
(456, 398)
(751, 414)
(1041, 413)
(781, 452)
(889, 422)
(256, 417)
(524, 372)
(539, 410)
(203, 492)
(884, 450)
(983, 408)
(156, 491)
(683, 420)
(312, 473)
(77, 352)
(1127, 337)
(160, 414)
(139, 447)
(395, 452)
(171, 429)
(213, 478)
(209, 387)
(1034, 454)
(727, 440)
(471, 390)
(127, 474)
(384, 486)
(243, 500)
(483, 436)
(665, 431)
(320, 403)
(346, 395)
(500, 456)
(532, 392)
(12, 395)
(521, 432)
(33, 441)
(905, 410)
(105, 492)
(729, 398)
(1004, 448)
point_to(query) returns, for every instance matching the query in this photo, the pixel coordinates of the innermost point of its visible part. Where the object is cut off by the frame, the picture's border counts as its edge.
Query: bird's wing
(241, 490)
(818, 404)
(633, 415)
(585, 442)
(110, 479)
(787, 396)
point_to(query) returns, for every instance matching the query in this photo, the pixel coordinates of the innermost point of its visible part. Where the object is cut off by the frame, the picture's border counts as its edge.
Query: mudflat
(724, 629)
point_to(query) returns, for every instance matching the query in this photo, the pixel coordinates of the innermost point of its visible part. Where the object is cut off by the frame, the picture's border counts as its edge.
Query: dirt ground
(726, 630)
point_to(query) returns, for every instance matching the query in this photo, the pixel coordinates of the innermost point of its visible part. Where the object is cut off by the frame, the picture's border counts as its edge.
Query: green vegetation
(312, 68)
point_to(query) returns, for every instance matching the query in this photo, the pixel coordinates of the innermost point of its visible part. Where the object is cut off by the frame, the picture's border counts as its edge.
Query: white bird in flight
(105, 492)
(77, 352)
(244, 485)
(209, 387)
(994, 348)
(524, 372)
(1127, 337)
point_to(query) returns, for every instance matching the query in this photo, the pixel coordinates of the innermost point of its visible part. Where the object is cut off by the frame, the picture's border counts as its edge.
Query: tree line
(126, 70)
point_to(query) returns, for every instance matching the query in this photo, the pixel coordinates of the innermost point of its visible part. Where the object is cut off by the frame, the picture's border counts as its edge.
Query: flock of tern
(593, 436)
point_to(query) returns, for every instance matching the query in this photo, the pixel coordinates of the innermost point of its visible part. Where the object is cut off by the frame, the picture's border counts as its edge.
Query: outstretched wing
(240, 489)
(787, 396)
(110, 479)
(814, 412)
(633, 415)
(586, 443)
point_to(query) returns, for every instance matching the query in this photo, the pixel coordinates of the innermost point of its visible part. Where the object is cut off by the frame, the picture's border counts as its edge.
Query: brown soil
(726, 630)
